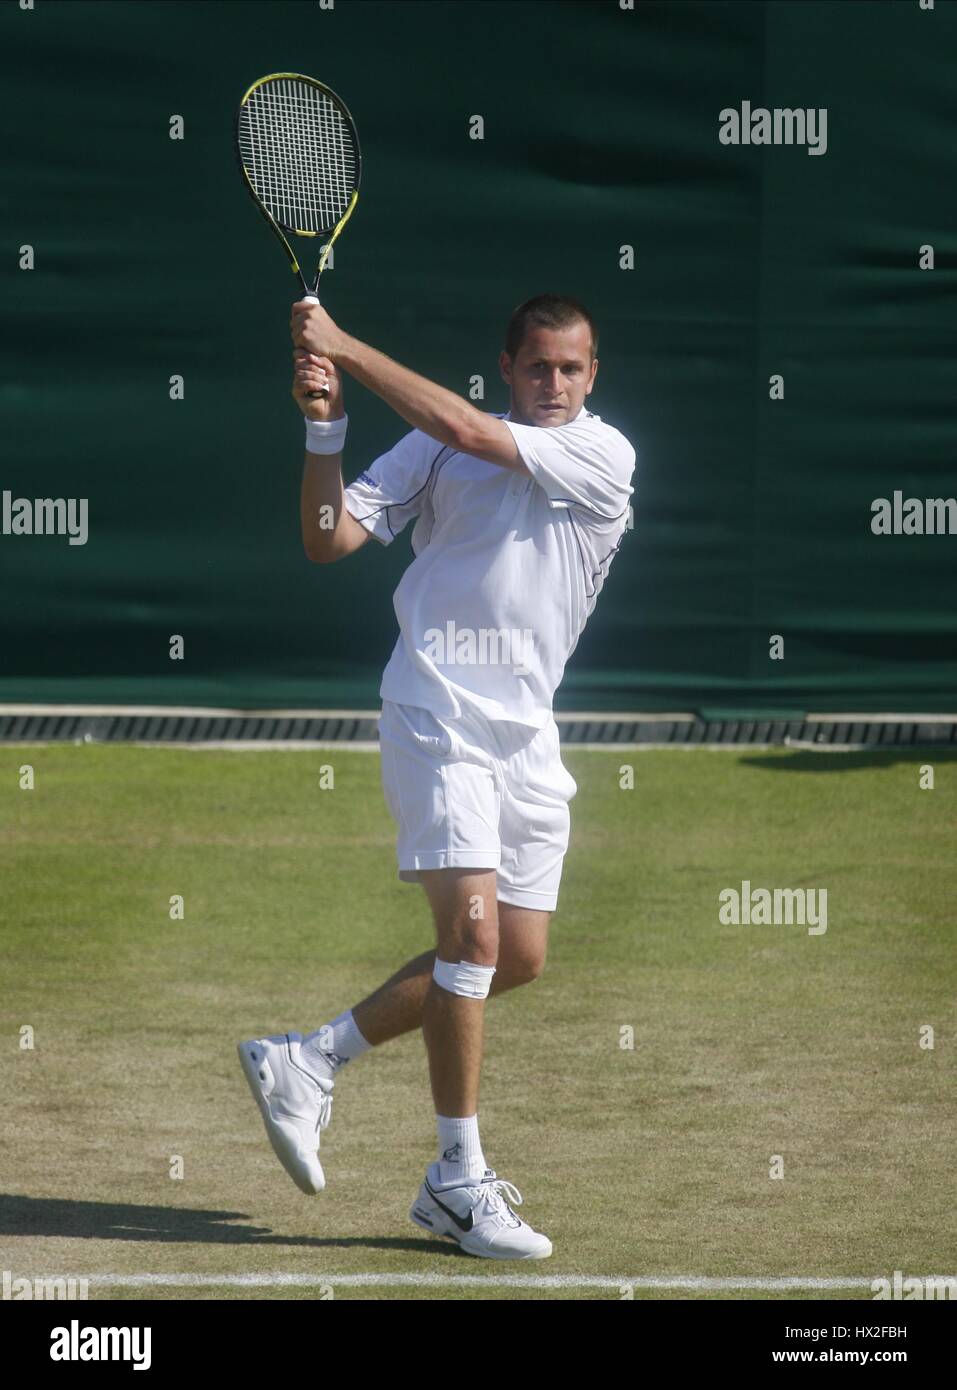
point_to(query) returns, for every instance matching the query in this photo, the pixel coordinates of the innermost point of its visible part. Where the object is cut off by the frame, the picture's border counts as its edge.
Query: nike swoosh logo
(463, 1223)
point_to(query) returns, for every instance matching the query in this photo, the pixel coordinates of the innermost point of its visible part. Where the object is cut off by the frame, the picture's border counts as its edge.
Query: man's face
(551, 375)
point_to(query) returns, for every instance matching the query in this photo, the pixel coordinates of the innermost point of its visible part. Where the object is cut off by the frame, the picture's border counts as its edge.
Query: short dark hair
(547, 311)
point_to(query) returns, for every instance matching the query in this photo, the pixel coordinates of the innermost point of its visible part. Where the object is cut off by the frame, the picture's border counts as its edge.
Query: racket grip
(315, 395)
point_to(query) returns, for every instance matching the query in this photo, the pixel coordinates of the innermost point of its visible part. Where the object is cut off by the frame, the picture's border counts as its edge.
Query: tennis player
(517, 518)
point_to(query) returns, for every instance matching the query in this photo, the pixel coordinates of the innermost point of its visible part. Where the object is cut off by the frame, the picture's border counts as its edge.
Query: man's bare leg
(460, 1196)
(465, 910)
(396, 1007)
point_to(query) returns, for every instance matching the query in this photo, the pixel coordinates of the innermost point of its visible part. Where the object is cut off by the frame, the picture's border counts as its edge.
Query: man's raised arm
(425, 405)
(329, 530)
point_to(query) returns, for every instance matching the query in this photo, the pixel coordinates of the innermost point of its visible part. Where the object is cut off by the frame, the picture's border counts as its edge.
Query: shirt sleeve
(394, 489)
(579, 465)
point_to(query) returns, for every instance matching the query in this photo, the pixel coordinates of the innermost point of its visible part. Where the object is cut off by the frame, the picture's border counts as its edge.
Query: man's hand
(426, 406)
(314, 373)
(313, 330)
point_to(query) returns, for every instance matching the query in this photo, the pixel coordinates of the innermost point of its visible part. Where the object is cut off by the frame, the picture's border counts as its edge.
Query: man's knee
(519, 968)
(470, 941)
(523, 946)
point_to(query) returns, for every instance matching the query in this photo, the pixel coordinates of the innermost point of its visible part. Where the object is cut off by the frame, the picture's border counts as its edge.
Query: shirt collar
(580, 416)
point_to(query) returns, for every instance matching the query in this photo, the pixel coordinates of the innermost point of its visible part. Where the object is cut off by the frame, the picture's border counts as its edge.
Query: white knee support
(471, 981)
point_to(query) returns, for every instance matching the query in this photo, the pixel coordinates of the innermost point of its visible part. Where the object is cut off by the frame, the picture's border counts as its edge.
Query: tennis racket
(298, 150)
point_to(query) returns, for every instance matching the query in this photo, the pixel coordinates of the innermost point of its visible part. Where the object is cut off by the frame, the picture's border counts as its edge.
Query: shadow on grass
(831, 760)
(50, 1216)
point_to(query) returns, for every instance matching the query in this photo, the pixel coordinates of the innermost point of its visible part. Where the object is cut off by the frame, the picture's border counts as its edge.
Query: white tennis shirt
(507, 568)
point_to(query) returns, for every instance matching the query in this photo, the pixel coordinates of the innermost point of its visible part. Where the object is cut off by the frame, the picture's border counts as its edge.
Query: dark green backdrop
(600, 130)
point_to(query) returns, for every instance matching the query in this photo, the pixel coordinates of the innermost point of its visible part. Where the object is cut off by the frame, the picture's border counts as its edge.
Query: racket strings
(298, 151)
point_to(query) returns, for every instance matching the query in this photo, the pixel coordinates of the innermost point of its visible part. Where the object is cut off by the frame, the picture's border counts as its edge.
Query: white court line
(246, 745)
(236, 745)
(189, 711)
(564, 716)
(702, 1282)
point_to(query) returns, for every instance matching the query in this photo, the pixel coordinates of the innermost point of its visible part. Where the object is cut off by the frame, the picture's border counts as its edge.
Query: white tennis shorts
(477, 793)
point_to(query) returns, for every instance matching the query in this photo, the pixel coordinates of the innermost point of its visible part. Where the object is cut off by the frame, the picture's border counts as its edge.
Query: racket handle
(315, 395)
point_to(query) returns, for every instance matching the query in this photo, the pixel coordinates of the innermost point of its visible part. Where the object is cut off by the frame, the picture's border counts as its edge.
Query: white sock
(460, 1149)
(334, 1043)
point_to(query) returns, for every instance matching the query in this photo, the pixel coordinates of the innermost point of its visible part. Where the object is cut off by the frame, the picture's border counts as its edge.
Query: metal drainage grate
(819, 733)
(186, 726)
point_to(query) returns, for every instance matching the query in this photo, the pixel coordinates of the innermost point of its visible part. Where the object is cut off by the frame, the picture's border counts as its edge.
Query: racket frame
(309, 292)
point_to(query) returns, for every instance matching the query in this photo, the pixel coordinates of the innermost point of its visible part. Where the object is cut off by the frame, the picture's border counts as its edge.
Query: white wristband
(326, 436)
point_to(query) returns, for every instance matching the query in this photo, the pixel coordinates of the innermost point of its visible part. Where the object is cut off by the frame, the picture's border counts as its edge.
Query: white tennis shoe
(477, 1216)
(294, 1101)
